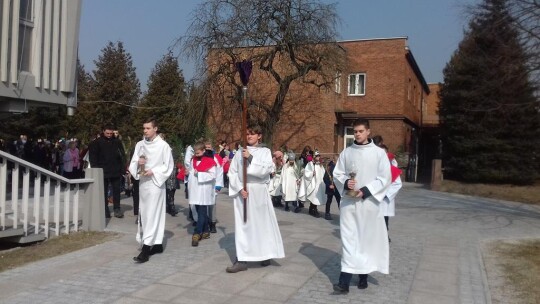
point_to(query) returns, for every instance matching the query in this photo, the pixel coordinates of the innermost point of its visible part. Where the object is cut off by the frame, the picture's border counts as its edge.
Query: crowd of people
(364, 180)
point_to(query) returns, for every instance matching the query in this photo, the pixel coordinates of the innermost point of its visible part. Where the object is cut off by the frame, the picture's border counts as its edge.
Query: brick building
(381, 81)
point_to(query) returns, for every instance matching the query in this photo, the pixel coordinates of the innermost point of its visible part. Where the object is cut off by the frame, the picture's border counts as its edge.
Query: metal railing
(47, 201)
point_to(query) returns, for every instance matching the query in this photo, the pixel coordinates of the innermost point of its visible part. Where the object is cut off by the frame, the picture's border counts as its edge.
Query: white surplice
(274, 187)
(363, 231)
(388, 206)
(152, 188)
(259, 238)
(201, 186)
(314, 183)
(289, 182)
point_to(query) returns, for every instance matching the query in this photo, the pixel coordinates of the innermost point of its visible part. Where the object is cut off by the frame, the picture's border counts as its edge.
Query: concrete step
(8, 233)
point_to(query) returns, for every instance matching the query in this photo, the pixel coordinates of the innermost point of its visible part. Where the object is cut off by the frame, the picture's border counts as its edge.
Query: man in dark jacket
(107, 152)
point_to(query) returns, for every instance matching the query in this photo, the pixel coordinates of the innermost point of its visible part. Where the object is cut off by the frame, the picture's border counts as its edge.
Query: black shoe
(144, 256)
(156, 249)
(287, 209)
(172, 210)
(328, 216)
(342, 289)
(265, 263)
(362, 283)
(297, 209)
(118, 214)
(213, 227)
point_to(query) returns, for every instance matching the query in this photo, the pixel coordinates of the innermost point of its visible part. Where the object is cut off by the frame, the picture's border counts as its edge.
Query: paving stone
(434, 258)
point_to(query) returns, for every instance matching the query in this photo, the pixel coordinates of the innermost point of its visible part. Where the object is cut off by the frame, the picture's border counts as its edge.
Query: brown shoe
(237, 267)
(205, 235)
(195, 240)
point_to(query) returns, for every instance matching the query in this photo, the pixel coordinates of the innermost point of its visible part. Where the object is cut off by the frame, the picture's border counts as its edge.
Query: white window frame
(347, 136)
(25, 37)
(357, 87)
(337, 81)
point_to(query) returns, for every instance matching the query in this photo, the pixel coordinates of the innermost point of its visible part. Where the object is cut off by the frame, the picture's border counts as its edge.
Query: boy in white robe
(388, 207)
(362, 176)
(274, 188)
(258, 238)
(218, 185)
(289, 181)
(203, 172)
(156, 156)
(315, 186)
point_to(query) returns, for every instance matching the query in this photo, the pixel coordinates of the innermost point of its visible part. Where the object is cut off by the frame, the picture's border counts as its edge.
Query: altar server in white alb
(257, 239)
(362, 176)
(151, 164)
(315, 186)
(388, 208)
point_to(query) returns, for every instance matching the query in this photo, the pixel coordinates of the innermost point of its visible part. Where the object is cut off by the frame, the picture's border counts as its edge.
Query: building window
(348, 139)
(337, 89)
(26, 26)
(357, 84)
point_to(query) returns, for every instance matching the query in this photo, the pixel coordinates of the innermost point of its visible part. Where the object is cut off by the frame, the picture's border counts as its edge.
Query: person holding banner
(257, 236)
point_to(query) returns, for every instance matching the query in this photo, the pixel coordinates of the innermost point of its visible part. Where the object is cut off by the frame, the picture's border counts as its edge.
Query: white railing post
(3, 188)
(94, 208)
(46, 204)
(57, 207)
(25, 194)
(66, 208)
(37, 200)
(76, 208)
(15, 195)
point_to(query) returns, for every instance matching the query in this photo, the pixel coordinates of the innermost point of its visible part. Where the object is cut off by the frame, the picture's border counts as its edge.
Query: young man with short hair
(152, 164)
(362, 176)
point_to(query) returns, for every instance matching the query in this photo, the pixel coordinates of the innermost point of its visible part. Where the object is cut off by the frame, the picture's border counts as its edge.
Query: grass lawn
(52, 247)
(525, 194)
(513, 269)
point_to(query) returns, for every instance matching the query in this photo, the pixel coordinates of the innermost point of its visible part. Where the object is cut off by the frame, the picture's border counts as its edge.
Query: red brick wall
(309, 114)
(430, 116)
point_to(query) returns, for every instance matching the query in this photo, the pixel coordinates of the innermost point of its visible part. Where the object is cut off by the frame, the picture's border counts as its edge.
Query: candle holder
(141, 169)
(352, 193)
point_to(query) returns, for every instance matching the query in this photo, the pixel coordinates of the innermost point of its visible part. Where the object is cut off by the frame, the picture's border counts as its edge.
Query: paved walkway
(435, 258)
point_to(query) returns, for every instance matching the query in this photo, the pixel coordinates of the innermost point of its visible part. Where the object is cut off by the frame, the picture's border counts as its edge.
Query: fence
(35, 202)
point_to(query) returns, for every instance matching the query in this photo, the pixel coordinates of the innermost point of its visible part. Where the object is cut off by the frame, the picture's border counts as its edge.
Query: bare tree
(287, 41)
(526, 14)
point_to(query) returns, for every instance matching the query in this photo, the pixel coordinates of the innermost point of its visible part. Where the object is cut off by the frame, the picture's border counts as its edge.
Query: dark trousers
(169, 199)
(345, 278)
(135, 195)
(115, 186)
(202, 219)
(329, 200)
(225, 180)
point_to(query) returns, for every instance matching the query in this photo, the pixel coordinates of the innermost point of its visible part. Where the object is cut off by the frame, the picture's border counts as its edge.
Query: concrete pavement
(435, 258)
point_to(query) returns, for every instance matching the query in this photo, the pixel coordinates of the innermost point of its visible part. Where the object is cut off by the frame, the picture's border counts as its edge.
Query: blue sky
(148, 28)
